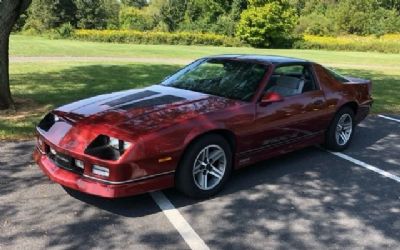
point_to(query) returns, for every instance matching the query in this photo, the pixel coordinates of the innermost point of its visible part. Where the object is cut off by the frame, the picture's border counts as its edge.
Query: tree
(50, 14)
(135, 3)
(134, 18)
(238, 6)
(112, 8)
(202, 15)
(270, 25)
(217, 16)
(172, 13)
(10, 10)
(91, 14)
(390, 4)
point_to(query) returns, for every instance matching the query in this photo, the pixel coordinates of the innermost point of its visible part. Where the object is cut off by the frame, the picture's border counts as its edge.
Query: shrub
(65, 30)
(139, 37)
(315, 24)
(268, 26)
(389, 43)
(134, 18)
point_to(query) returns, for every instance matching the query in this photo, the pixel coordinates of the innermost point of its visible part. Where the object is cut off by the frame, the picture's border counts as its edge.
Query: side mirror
(271, 97)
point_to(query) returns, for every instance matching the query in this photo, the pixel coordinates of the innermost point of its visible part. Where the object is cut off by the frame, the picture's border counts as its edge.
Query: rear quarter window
(336, 76)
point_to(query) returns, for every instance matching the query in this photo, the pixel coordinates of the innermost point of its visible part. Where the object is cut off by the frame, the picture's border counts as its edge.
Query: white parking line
(182, 226)
(367, 166)
(388, 118)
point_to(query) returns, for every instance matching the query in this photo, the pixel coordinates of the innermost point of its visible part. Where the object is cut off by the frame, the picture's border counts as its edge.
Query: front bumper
(86, 185)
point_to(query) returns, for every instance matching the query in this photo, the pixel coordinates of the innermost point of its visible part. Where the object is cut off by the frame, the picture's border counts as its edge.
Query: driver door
(299, 117)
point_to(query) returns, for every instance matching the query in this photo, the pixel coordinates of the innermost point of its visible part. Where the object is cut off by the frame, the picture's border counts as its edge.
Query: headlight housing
(119, 145)
(107, 148)
(48, 121)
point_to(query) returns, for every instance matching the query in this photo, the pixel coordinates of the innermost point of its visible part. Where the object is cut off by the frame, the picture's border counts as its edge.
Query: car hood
(141, 110)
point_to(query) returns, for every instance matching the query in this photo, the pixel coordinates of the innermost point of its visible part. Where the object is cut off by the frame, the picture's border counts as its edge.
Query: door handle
(318, 102)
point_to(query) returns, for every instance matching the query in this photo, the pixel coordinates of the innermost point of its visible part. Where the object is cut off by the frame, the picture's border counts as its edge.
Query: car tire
(341, 130)
(199, 176)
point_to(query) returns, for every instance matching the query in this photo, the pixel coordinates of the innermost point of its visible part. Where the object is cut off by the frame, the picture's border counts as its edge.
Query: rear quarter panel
(338, 94)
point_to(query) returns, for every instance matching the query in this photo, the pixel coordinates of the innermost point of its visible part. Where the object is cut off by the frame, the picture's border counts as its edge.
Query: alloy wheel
(209, 167)
(344, 128)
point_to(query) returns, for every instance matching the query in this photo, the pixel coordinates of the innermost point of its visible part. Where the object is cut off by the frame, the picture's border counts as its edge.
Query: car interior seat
(288, 85)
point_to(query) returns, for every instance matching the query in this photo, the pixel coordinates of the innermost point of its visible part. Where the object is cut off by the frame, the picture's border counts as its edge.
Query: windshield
(221, 77)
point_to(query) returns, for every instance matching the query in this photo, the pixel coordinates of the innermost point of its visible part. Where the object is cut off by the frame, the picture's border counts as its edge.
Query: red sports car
(194, 128)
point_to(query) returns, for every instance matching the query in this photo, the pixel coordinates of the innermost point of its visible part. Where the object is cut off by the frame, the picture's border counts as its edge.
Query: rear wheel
(205, 167)
(341, 130)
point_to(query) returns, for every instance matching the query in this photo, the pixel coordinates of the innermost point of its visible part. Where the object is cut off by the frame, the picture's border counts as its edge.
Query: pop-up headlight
(56, 118)
(119, 145)
(107, 148)
(48, 121)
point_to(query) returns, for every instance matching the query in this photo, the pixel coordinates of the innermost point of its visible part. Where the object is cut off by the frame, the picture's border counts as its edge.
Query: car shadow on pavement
(307, 199)
(128, 206)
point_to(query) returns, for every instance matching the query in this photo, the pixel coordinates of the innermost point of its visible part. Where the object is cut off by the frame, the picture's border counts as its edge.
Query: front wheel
(341, 130)
(205, 167)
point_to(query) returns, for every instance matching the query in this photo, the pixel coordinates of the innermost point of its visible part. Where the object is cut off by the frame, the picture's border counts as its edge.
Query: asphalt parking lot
(307, 199)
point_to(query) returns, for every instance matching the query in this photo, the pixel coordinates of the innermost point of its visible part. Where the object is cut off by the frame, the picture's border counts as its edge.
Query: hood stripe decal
(162, 100)
(132, 97)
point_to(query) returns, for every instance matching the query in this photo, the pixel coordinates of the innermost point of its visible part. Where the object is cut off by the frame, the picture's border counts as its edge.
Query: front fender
(201, 129)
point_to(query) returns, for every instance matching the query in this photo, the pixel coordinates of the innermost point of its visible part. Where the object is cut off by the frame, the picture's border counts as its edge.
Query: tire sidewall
(184, 177)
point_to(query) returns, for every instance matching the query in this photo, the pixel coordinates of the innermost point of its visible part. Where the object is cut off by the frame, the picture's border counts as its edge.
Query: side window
(295, 70)
(291, 80)
(309, 80)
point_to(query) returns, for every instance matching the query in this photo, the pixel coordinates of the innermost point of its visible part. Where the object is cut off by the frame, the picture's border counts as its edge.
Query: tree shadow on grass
(78, 82)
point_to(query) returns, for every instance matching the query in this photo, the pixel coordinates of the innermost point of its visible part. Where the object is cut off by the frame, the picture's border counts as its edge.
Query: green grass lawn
(39, 87)
(38, 46)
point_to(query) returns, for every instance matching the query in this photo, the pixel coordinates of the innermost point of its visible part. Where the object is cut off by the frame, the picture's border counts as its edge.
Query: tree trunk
(6, 101)
(10, 10)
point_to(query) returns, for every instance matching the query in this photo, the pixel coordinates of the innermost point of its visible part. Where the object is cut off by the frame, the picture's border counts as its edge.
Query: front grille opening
(63, 161)
(47, 122)
(101, 149)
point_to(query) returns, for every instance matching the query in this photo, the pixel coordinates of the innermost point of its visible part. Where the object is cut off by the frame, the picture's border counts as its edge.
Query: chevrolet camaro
(194, 128)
